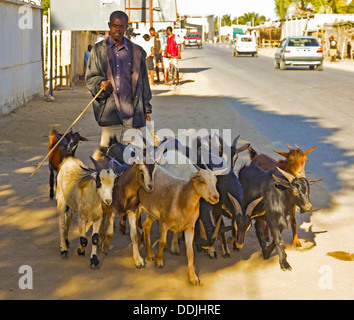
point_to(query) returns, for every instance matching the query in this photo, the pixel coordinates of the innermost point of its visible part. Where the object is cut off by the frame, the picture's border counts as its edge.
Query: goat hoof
(80, 253)
(64, 254)
(194, 281)
(285, 266)
(227, 255)
(94, 263)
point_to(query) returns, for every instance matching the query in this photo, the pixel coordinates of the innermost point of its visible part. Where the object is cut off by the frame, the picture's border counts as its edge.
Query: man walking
(171, 51)
(157, 52)
(118, 66)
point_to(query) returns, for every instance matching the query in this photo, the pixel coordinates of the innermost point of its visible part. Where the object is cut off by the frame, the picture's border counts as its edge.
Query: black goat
(279, 197)
(230, 204)
(67, 147)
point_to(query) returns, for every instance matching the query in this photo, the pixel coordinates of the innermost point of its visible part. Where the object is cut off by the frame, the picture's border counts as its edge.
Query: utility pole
(151, 14)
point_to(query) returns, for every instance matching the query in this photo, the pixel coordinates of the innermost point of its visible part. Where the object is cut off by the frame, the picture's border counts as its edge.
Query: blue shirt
(121, 61)
(87, 53)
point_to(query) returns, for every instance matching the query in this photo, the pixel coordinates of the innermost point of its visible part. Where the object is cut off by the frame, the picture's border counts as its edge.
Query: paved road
(294, 106)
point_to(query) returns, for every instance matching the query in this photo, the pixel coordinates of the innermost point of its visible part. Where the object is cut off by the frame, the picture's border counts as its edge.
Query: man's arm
(94, 77)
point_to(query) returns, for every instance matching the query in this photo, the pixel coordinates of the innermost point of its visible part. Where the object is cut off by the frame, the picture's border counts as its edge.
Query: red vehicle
(192, 39)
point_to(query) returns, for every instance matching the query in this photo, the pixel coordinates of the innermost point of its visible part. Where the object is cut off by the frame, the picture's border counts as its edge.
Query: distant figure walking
(333, 49)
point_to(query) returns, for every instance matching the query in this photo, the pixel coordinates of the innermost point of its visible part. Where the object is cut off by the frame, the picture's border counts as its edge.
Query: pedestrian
(157, 52)
(148, 46)
(87, 53)
(332, 49)
(349, 50)
(118, 66)
(171, 52)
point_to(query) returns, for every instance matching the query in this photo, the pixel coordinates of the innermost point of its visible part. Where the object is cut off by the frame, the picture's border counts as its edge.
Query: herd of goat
(187, 196)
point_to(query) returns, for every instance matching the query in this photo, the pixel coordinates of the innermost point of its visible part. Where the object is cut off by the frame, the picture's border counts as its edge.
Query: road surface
(268, 108)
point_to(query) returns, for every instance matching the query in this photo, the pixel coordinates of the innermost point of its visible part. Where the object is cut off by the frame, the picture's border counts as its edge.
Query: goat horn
(227, 211)
(202, 232)
(216, 231)
(287, 175)
(234, 143)
(309, 150)
(252, 205)
(290, 148)
(97, 164)
(235, 203)
(311, 182)
(218, 172)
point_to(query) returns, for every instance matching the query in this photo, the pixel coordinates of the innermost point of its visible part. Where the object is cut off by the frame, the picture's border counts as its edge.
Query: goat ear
(306, 152)
(243, 148)
(282, 153)
(252, 206)
(311, 182)
(227, 211)
(282, 182)
(83, 138)
(202, 232)
(258, 215)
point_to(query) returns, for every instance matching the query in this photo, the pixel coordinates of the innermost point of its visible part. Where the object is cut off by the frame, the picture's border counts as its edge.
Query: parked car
(245, 44)
(299, 51)
(192, 39)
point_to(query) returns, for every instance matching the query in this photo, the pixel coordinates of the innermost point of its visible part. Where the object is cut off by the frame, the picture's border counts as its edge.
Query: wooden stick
(77, 119)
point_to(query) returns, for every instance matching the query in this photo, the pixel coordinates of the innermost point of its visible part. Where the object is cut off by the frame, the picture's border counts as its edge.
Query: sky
(234, 7)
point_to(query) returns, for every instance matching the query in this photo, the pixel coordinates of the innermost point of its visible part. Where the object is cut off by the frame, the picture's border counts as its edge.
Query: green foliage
(45, 6)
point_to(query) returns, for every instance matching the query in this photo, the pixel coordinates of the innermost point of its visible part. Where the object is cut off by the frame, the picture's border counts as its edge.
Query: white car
(245, 44)
(299, 51)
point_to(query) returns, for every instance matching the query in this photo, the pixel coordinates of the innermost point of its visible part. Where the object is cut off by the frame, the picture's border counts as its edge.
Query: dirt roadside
(29, 223)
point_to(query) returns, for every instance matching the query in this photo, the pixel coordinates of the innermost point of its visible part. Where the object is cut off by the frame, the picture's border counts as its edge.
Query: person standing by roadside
(148, 46)
(333, 49)
(349, 50)
(157, 53)
(171, 51)
(118, 66)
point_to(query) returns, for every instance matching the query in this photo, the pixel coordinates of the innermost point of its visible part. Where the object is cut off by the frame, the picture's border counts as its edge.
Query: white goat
(83, 190)
(175, 203)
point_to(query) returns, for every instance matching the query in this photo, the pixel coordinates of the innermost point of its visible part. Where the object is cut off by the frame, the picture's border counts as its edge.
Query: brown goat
(67, 147)
(293, 163)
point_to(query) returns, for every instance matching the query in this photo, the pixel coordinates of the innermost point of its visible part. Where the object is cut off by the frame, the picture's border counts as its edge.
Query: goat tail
(155, 243)
(253, 153)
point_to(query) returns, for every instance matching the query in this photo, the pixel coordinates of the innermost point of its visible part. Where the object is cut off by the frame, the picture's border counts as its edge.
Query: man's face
(117, 28)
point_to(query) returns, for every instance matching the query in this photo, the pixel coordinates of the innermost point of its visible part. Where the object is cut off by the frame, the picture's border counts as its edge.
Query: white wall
(21, 75)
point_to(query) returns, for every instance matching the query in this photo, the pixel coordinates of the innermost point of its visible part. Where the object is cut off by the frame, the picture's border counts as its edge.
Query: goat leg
(296, 242)
(82, 232)
(260, 236)
(139, 261)
(94, 262)
(109, 233)
(279, 243)
(175, 244)
(162, 244)
(51, 183)
(189, 236)
(147, 227)
(122, 225)
(62, 229)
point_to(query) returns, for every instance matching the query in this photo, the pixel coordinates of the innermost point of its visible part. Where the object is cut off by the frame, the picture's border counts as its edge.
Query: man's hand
(147, 117)
(106, 84)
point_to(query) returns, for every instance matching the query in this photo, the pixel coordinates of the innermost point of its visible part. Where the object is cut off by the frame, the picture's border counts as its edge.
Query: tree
(251, 17)
(338, 6)
(281, 8)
